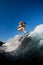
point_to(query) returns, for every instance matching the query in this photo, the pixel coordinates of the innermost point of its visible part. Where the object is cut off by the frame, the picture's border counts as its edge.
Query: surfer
(22, 26)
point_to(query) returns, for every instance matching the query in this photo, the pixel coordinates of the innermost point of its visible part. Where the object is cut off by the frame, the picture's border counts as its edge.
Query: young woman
(22, 26)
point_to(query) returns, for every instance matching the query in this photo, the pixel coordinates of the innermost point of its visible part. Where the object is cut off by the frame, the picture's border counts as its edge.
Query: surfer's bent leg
(24, 30)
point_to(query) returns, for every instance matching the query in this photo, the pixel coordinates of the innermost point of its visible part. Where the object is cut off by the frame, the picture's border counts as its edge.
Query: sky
(12, 11)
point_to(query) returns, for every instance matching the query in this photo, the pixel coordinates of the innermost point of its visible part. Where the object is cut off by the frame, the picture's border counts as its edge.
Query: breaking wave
(16, 41)
(23, 49)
